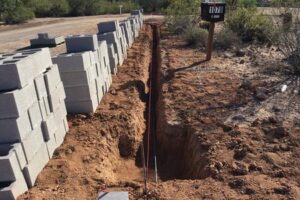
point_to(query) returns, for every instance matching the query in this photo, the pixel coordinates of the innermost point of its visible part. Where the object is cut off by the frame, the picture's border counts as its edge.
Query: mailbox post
(212, 11)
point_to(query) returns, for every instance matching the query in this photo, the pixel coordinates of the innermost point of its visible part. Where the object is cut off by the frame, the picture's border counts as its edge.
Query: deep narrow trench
(176, 149)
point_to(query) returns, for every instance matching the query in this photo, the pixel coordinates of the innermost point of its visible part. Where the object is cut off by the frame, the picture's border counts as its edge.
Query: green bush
(250, 25)
(247, 3)
(19, 15)
(226, 39)
(59, 8)
(178, 24)
(195, 36)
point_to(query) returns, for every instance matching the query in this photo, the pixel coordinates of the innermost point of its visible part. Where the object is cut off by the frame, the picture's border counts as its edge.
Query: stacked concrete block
(134, 26)
(139, 14)
(112, 38)
(43, 40)
(86, 74)
(128, 32)
(104, 33)
(29, 104)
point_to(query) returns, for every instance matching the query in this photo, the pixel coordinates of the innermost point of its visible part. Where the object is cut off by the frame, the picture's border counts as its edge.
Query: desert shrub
(247, 3)
(195, 36)
(19, 15)
(250, 25)
(182, 14)
(226, 38)
(59, 8)
(204, 25)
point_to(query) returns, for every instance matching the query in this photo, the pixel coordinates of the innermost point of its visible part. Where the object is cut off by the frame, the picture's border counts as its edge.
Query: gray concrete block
(11, 190)
(75, 78)
(52, 78)
(127, 31)
(16, 73)
(80, 43)
(35, 115)
(17, 147)
(57, 97)
(81, 93)
(47, 42)
(60, 133)
(32, 143)
(40, 86)
(51, 146)
(113, 196)
(110, 26)
(44, 107)
(36, 165)
(111, 38)
(9, 164)
(99, 85)
(14, 129)
(73, 62)
(82, 107)
(16, 102)
(49, 126)
(43, 35)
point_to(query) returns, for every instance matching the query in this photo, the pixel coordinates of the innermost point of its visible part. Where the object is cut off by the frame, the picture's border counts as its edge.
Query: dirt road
(15, 37)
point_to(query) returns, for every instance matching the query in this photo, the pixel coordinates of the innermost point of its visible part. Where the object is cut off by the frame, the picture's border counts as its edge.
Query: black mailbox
(213, 12)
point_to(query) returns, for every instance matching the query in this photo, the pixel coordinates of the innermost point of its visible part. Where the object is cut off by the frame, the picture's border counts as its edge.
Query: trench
(180, 152)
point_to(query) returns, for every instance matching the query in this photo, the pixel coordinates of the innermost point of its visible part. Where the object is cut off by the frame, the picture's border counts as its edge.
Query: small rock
(227, 55)
(238, 183)
(113, 91)
(239, 118)
(254, 167)
(240, 169)
(249, 191)
(282, 190)
(246, 84)
(276, 109)
(239, 154)
(279, 132)
(81, 116)
(284, 147)
(240, 53)
(261, 94)
(242, 62)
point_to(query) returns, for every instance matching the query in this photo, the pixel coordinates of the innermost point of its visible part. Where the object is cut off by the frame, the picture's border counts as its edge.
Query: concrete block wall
(32, 107)
(86, 75)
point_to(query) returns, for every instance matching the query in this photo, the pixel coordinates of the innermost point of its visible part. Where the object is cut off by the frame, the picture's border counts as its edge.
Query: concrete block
(52, 78)
(9, 164)
(82, 107)
(113, 59)
(36, 165)
(110, 26)
(40, 86)
(56, 98)
(32, 143)
(113, 196)
(49, 126)
(73, 62)
(127, 31)
(14, 129)
(60, 133)
(44, 107)
(17, 147)
(81, 93)
(43, 35)
(11, 190)
(16, 73)
(35, 115)
(16, 102)
(111, 38)
(99, 84)
(80, 43)
(42, 41)
(75, 78)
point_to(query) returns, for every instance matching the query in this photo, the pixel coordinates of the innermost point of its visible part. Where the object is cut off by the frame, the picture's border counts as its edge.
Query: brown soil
(224, 129)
